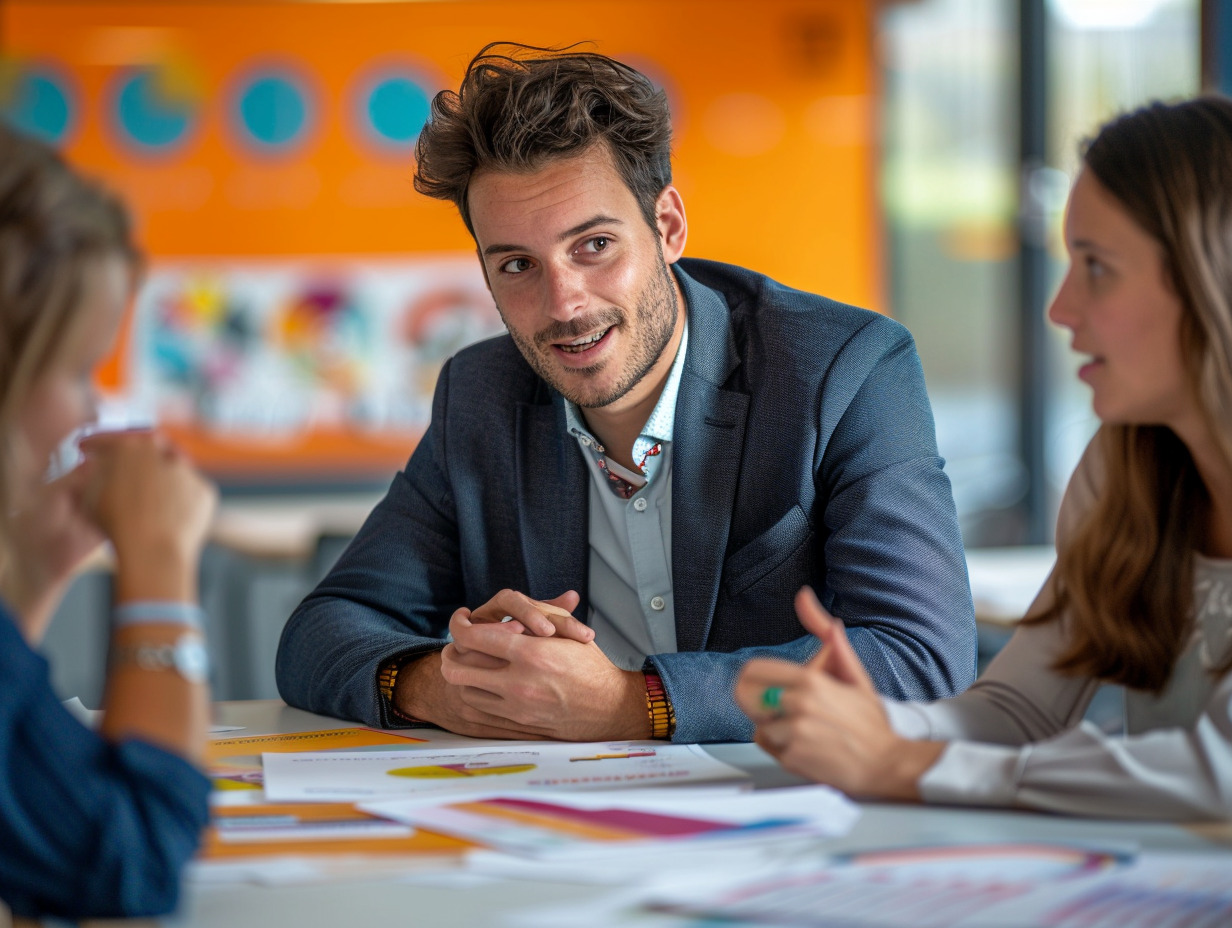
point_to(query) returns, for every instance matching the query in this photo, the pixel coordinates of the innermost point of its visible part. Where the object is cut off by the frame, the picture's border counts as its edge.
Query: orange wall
(774, 103)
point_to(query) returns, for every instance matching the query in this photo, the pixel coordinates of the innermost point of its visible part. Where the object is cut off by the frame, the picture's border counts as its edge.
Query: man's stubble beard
(655, 322)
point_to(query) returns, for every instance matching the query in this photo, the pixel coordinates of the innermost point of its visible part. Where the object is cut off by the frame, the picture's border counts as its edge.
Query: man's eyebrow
(588, 225)
(564, 236)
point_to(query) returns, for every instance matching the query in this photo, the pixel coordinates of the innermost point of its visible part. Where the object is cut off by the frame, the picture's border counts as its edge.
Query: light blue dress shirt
(630, 572)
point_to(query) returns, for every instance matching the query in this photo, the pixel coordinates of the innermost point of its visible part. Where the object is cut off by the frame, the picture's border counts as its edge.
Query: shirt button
(640, 505)
(657, 604)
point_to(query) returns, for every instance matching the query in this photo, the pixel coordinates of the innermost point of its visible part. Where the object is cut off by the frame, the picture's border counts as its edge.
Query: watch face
(191, 659)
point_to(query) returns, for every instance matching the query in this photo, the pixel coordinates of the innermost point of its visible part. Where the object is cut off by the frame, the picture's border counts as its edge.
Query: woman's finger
(762, 684)
(836, 657)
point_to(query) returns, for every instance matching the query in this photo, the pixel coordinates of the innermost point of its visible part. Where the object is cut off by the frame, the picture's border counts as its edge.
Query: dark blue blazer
(803, 452)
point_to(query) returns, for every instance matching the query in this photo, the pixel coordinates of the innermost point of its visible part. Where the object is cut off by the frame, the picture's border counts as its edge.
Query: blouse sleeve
(1017, 736)
(1169, 773)
(1019, 699)
(87, 828)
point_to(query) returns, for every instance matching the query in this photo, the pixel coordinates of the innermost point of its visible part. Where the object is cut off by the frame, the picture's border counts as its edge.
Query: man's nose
(566, 295)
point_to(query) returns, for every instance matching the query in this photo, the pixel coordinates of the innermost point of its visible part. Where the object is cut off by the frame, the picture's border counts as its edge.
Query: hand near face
(830, 725)
(56, 536)
(147, 498)
(494, 681)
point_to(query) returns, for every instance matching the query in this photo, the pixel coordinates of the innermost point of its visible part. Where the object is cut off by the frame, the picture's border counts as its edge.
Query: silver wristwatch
(187, 657)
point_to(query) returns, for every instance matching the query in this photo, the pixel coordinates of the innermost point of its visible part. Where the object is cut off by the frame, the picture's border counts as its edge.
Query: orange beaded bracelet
(659, 708)
(386, 679)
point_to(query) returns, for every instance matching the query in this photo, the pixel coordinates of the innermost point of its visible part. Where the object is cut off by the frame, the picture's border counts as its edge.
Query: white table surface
(381, 901)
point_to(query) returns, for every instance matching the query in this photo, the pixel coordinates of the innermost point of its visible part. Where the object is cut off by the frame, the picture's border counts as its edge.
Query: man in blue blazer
(614, 504)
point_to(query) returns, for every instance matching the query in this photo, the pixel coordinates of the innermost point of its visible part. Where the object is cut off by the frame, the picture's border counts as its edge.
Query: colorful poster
(267, 353)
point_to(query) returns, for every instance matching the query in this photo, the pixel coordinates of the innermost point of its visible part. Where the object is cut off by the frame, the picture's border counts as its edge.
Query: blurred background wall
(302, 295)
(913, 157)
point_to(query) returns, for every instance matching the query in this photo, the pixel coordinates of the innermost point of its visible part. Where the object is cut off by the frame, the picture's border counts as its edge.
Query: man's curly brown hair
(521, 106)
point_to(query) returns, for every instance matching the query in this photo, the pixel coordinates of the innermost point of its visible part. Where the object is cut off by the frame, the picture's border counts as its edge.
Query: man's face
(580, 279)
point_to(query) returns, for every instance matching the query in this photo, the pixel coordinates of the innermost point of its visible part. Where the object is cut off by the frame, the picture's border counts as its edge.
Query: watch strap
(187, 656)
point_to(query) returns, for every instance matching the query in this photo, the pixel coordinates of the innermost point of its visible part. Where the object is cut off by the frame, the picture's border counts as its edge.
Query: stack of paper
(245, 825)
(290, 800)
(527, 803)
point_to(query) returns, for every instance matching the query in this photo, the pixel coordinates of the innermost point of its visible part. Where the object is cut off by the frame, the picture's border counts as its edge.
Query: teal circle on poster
(38, 102)
(397, 109)
(147, 116)
(273, 110)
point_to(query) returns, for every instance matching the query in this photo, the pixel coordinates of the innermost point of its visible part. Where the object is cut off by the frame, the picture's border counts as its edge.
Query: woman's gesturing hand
(825, 721)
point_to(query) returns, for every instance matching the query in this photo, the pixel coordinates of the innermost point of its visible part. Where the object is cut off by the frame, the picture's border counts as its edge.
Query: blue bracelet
(158, 611)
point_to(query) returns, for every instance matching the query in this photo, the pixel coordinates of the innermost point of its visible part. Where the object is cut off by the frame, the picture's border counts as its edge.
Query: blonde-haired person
(1141, 594)
(90, 824)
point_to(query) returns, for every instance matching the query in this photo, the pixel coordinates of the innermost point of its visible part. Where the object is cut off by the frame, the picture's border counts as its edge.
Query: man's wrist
(396, 683)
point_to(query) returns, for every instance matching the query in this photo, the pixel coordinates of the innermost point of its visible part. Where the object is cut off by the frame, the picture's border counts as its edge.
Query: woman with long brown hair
(1141, 594)
(91, 824)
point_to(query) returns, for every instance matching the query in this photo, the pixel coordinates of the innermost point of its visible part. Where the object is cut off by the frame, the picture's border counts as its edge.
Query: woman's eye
(515, 266)
(1095, 267)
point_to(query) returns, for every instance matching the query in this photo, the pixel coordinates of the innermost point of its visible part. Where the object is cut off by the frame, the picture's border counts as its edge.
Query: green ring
(772, 697)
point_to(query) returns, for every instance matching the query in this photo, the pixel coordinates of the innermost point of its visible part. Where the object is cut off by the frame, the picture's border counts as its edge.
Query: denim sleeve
(87, 828)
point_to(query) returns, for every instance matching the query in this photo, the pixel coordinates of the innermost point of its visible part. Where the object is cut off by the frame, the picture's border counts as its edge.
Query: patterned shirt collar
(662, 422)
(648, 447)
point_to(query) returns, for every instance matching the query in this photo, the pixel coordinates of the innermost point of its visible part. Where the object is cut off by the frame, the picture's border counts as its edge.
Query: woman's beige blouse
(1018, 739)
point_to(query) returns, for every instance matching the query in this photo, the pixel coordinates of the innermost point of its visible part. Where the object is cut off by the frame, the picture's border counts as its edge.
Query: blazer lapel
(553, 505)
(707, 447)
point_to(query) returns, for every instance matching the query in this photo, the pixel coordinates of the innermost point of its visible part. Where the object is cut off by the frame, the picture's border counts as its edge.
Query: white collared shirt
(630, 573)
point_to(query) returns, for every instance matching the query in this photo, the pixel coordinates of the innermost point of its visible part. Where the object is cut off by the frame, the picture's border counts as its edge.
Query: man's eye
(596, 244)
(515, 266)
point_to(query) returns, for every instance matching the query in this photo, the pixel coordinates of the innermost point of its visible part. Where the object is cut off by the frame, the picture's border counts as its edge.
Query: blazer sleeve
(390, 594)
(87, 828)
(895, 571)
(892, 567)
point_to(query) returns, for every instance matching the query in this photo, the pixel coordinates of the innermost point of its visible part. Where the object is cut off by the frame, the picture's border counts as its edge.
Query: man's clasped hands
(526, 669)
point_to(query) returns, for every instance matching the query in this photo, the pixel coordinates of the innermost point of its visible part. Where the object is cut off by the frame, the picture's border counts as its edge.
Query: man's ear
(672, 225)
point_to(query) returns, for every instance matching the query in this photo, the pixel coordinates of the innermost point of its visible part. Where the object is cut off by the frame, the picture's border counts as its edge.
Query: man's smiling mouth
(582, 344)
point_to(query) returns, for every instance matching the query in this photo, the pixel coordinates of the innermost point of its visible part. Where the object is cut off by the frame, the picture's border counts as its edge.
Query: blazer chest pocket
(769, 550)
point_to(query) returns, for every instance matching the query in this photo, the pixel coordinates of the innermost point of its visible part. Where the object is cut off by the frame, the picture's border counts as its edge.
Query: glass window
(950, 196)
